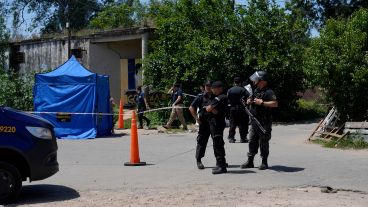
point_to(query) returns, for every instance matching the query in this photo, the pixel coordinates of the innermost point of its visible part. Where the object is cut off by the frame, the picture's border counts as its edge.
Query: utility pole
(69, 37)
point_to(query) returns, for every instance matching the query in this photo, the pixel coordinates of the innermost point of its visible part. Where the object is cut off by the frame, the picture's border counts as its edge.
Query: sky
(28, 18)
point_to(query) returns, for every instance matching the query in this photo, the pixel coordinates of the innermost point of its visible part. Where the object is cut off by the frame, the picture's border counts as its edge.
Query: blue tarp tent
(69, 89)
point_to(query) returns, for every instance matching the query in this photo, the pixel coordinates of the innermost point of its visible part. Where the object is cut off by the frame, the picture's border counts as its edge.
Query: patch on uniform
(273, 97)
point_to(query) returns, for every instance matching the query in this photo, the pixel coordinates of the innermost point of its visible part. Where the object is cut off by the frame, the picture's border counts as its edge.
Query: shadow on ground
(36, 194)
(311, 121)
(240, 171)
(280, 168)
(115, 135)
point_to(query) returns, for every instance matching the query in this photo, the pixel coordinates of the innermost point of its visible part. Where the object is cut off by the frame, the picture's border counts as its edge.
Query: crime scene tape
(103, 114)
(186, 94)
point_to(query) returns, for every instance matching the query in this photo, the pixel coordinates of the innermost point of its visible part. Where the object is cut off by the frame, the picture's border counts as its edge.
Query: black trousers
(259, 140)
(141, 117)
(215, 128)
(238, 118)
(202, 138)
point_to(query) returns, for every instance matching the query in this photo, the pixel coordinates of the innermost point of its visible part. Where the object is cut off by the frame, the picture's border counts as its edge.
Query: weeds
(354, 141)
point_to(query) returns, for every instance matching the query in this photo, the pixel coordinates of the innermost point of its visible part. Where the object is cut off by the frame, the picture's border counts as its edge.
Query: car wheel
(10, 183)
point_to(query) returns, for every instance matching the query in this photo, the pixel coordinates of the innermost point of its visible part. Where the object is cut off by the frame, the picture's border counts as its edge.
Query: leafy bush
(16, 90)
(310, 109)
(158, 117)
(338, 62)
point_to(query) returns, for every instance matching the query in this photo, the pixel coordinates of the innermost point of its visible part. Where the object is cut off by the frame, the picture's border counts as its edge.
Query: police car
(27, 150)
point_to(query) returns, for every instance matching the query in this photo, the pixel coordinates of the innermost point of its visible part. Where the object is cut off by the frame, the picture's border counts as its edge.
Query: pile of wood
(360, 128)
(329, 128)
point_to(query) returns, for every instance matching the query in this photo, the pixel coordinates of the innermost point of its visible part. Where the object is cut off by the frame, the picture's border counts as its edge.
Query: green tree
(4, 35)
(199, 40)
(319, 11)
(15, 89)
(52, 15)
(338, 62)
(119, 15)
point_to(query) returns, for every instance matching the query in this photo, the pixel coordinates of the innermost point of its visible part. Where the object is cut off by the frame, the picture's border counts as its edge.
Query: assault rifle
(252, 117)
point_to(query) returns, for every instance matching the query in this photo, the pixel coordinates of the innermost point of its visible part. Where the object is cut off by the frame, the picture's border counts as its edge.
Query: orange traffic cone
(121, 112)
(134, 150)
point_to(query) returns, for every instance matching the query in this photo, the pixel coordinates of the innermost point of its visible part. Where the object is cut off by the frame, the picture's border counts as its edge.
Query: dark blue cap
(217, 84)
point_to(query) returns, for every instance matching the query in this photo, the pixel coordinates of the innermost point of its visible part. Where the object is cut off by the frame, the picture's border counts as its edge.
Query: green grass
(174, 131)
(354, 141)
(128, 123)
(158, 117)
(310, 109)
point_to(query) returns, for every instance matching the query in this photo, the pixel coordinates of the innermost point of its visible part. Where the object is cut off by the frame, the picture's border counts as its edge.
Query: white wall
(48, 55)
(104, 58)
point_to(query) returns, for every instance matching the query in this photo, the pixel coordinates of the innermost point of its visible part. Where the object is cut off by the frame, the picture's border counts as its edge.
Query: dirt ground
(200, 196)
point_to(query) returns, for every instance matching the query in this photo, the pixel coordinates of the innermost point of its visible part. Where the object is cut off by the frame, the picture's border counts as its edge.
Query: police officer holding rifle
(261, 104)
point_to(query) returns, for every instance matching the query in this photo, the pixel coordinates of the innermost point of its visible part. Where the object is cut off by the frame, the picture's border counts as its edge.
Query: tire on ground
(10, 182)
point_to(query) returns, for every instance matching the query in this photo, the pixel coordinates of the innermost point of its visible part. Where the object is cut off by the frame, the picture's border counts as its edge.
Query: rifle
(252, 117)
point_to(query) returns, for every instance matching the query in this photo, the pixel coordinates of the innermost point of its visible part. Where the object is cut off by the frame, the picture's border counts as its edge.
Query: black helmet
(258, 76)
(237, 80)
(217, 84)
(208, 83)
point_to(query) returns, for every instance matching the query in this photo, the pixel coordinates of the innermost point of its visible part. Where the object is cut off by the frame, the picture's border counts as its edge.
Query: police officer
(142, 105)
(238, 116)
(177, 110)
(217, 110)
(261, 103)
(199, 103)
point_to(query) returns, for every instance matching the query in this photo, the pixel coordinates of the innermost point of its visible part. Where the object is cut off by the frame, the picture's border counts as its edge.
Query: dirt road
(92, 174)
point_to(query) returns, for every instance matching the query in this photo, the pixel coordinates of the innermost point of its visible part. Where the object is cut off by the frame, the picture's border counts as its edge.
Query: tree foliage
(16, 90)
(119, 15)
(4, 35)
(199, 40)
(52, 15)
(338, 61)
(319, 11)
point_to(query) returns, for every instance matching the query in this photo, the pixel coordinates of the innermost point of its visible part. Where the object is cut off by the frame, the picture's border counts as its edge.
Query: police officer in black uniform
(238, 116)
(216, 119)
(200, 102)
(142, 105)
(261, 104)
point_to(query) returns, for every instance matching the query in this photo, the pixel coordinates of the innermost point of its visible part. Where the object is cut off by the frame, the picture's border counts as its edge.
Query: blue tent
(75, 94)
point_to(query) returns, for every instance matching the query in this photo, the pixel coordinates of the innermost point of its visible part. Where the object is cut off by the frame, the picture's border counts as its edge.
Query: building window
(77, 52)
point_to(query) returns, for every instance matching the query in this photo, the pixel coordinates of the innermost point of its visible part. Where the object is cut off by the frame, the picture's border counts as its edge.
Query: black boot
(200, 165)
(226, 164)
(219, 170)
(249, 163)
(244, 140)
(264, 164)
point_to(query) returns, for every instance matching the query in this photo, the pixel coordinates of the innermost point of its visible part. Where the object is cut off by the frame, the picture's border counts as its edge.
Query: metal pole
(69, 37)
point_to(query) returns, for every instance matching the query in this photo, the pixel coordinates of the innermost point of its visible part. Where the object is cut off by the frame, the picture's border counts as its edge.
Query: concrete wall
(99, 57)
(46, 55)
(104, 58)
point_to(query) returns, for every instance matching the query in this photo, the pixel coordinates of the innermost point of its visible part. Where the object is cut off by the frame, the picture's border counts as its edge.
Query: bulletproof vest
(206, 100)
(221, 104)
(235, 94)
(264, 114)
